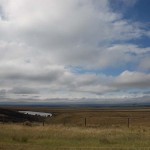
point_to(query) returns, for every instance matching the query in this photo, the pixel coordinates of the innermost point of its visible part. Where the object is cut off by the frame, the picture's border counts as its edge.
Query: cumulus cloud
(2, 92)
(40, 40)
(23, 90)
(67, 32)
(133, 79)
(144, 64)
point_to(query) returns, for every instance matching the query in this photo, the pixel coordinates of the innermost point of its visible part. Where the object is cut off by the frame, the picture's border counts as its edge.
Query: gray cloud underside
(87, 85)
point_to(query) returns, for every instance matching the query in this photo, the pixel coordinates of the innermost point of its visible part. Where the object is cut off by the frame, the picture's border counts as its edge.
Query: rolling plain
(78, 128)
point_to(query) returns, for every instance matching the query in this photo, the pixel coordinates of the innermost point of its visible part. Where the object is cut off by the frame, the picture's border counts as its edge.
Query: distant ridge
(86, 105)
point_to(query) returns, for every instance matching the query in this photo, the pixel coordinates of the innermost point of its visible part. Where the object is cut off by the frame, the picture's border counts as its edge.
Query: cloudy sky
(75, 51)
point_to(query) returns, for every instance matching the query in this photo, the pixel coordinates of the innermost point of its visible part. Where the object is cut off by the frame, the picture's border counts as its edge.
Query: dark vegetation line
(7, 115)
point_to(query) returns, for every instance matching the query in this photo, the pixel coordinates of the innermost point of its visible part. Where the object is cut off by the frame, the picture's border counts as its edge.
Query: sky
(79, 51)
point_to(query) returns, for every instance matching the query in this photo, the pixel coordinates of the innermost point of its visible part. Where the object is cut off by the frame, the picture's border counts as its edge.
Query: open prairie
(93, 117)
(72, 129)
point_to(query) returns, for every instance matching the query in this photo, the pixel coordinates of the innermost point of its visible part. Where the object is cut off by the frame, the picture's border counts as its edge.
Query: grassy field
(66, 130)
(20, 137)
(101, 118)
(96, 117)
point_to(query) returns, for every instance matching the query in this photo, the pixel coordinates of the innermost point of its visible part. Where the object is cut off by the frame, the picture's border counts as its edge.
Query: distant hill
(78, 104)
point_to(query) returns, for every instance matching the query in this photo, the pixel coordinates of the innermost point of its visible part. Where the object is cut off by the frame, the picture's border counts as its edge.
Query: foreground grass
(20, 137)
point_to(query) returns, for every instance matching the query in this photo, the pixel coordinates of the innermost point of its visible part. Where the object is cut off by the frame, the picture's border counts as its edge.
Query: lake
(43, 114)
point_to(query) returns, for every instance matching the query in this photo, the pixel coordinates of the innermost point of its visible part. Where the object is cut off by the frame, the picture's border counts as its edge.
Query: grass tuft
(21, 139)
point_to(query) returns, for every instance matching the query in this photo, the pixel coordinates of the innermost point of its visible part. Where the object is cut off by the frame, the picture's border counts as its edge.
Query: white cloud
(133, 79)
(68, 32)
(38, 40)
(145, 63)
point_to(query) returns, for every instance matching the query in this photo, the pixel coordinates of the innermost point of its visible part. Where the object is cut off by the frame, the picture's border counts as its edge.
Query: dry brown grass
(101, 118)
(20, 137)
(105, 129)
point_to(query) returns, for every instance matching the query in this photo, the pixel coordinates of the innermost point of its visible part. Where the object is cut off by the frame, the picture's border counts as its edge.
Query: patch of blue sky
(140, 11)
(138, 90)
(108, 71)
(117, 71)
(140, 42)
(137, 12)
